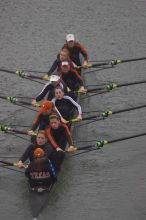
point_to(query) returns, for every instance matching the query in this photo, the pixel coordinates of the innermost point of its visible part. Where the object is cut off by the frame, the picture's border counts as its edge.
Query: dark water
(107, 184)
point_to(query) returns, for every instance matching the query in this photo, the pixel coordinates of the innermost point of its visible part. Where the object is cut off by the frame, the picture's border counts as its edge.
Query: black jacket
(28, 154)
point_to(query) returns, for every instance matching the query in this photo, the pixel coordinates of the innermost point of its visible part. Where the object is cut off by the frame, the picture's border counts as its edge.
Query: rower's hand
(85, 64)
(68, 89)
(74, 65)
(59, 149)
(31, 132)
(82, 90)
(33, 102)
(64, 120)
(79, 118)
(20, 164)
(46, 77)
(71, 149)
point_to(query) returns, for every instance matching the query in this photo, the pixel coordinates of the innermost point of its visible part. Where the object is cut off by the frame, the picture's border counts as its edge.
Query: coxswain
(40, 172)
(71, 77)
(76, 49)
(65, 105)
(63, 55)
(59, 134)
(49, 88)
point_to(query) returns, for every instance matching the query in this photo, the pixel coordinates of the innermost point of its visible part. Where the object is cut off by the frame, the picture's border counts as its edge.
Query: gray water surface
(108, 184)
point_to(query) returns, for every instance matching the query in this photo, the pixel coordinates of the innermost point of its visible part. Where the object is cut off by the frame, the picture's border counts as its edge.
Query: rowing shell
(38, 200)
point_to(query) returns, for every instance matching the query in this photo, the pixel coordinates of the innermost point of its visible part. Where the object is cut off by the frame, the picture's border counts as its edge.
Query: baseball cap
(65, 63)
(54, 78)
(70, 37)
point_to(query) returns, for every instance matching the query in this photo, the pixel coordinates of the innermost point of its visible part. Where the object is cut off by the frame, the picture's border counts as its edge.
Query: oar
(6, 129)
(103, 115)
(106, 114)
(96, 69)
(12, 164)
(8, 168)
(100, 143)
(111, 86)
(24, 75)
(9, 157)
(34, 71)
(21, 74)
(18, 136)
(8, 163)
(14, 100)
(115, 62)
(17, 125)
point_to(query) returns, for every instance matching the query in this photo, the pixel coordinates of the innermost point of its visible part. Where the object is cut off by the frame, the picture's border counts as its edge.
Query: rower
(56, 156)
(59, 134)
(41, 142)
(63, 55)
(76, 49)
(66, 105)
(42, 118)
(54, 81)
(71, 77)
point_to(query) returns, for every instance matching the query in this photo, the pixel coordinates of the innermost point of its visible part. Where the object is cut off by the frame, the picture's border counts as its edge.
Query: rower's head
(70, 40)
(64, 54)
(39, 152)
(41, 138)
(54, 121)
(65, 66)
(47, 107)
(59, 92)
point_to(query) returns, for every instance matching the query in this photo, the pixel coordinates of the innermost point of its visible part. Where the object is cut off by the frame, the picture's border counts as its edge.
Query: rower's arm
(36, 122)
(56, 109)
(68, 135)
(83, 51)
(53, 67)
(43, 92)
(26, 154)
(77, 75)
(64, 86)
(51, 139)
(75, 104)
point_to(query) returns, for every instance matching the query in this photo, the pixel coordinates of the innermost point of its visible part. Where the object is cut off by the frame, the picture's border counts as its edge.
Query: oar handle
(75, 120)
